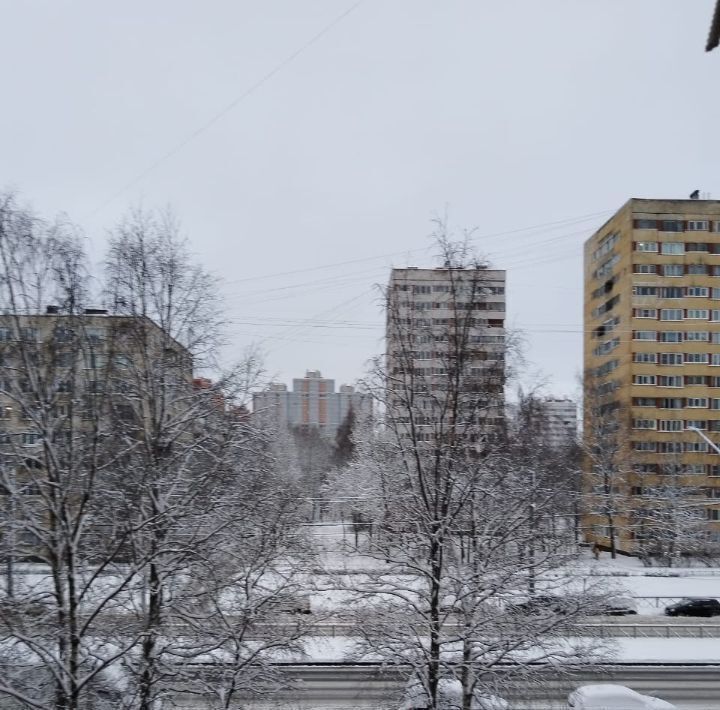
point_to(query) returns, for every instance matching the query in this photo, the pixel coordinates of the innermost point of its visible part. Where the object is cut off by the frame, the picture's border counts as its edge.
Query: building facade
(652, 374)
(312, 403)
(559, 425)
(445, 335)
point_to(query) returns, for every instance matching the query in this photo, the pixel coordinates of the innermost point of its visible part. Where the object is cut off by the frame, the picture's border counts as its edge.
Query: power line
(229, 107)
(564, 222)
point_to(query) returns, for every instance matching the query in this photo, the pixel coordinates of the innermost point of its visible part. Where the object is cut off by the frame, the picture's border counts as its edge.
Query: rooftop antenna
(695, 195)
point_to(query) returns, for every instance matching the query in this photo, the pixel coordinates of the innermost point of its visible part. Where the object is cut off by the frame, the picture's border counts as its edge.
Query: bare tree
(607, 460)
(56, 455)
(162, 524)
(185, 483)
(669, 518)
(465, 521)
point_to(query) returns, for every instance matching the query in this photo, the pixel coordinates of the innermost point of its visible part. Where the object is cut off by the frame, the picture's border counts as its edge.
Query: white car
(607, 696)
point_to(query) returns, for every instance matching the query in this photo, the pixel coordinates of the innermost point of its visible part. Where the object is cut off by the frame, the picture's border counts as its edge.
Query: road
(344, 687)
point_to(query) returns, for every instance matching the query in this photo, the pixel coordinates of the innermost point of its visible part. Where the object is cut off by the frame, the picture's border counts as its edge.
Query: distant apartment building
(312, 403)
(652, 369)
(559, 420)
(73, 385)
(445, 330)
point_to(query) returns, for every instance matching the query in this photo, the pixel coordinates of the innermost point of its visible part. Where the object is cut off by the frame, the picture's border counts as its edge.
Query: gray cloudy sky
(510, 115)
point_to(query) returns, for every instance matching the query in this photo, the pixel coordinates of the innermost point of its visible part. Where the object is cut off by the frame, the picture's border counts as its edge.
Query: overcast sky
(306, 148)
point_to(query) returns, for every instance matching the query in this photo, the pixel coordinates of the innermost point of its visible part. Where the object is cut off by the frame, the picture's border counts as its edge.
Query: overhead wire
(276, 69)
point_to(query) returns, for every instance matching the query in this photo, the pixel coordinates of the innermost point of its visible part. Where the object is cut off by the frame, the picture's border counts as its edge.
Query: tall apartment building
(430, 311)
(559, 425)
(652, 369)
(312, 403)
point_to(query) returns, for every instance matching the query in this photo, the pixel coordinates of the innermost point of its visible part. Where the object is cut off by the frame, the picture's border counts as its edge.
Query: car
(540, 603)
(694, 607)
(608, 696)
(617, 606)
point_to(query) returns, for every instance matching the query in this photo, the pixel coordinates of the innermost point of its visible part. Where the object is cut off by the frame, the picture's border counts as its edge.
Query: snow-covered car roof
(608, 696)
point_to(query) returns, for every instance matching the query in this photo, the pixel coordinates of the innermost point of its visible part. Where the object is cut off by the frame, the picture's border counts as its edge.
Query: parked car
(608, 696)
(617, 606)
(694, 607)
(542, 602)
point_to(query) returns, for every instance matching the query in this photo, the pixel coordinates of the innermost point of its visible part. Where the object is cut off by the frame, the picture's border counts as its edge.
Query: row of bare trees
(150, 531)
(147, 526)
(469, 519)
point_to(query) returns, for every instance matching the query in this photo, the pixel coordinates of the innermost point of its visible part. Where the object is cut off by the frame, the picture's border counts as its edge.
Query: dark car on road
(694, 607)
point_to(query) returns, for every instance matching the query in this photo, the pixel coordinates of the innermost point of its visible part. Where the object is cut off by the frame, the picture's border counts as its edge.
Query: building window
(696, 447)
(697, 358)
(644, 335)
(695, 380)
(643, 401)
(671, 314)
(671, 336)
(715, 404)
(645, 313)
(672, 225)
(696, 424)
(669, 447)
(95, 335)
(644, 446)
(643, 379)
(697, 336)
(644, 269)
(672, 248)
(671, 403)
(644, 291)
(673, 270)
(697, 402)
(713, 513)
(646, 246)
(697, 313)
(645, 224)
(698, 291)
(697, 225)
(697, 269)
(671, 359)
(670, 425)
(672, 292)
(715, 270)
(644, 357)
(670, 380)
(715, 359)
(645, 468)
(29, 438)
(716, 227)
(643, 423)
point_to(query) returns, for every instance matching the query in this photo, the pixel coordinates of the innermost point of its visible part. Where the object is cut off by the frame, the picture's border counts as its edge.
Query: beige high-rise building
(652, 376)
